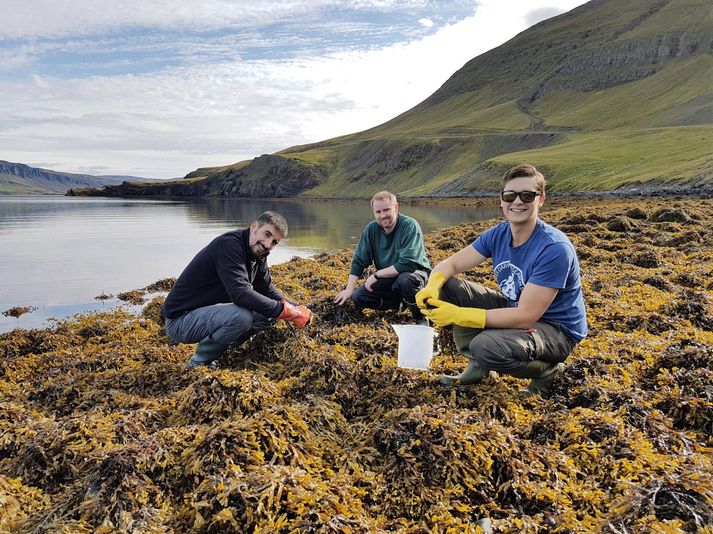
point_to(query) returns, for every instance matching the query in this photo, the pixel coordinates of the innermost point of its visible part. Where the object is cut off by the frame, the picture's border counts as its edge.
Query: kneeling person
(530, 327)
(226, 294)
(394, 244)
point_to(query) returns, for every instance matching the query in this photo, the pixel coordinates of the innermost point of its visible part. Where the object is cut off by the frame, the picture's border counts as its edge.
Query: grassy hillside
(650, 102)
(607, 160)
(611, 94)
(11, 187)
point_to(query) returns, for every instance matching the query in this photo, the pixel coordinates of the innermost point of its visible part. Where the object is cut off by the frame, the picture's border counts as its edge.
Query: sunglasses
(526, 196)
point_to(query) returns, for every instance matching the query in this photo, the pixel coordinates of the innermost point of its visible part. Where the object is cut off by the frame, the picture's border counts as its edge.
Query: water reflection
(58, 253)
(328, 224)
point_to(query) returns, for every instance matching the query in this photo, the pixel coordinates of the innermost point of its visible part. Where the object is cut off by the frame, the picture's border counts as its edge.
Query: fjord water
(58, 253)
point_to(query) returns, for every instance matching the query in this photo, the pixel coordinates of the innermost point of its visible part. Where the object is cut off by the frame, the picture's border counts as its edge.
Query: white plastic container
(415, 345)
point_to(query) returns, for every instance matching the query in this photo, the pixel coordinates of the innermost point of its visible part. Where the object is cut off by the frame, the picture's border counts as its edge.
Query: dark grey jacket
(225, 271)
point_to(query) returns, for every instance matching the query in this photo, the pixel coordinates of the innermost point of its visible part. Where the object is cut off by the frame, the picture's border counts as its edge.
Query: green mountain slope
(613, 93)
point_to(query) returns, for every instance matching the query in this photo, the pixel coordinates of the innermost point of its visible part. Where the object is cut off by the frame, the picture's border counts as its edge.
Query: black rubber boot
(473, 374)
(542, 375)
(207, 352)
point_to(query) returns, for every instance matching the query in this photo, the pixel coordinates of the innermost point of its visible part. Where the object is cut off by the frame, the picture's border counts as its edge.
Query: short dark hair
(524, 170)
(275, 219)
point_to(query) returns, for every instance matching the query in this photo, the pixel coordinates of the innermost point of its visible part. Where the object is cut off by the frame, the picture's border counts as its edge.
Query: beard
(258, 251)
(386, 223)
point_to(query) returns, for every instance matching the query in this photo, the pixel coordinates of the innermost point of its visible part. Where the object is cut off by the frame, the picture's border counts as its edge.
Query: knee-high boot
(542, 374)
(473, 374)
(207, 352)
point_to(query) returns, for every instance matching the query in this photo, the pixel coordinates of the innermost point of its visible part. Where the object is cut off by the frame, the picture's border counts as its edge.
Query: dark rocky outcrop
(265, 177)
(139, 189)
(269, 175)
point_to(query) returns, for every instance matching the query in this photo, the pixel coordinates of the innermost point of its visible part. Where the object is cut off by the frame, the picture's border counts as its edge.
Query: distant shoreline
(704, 190)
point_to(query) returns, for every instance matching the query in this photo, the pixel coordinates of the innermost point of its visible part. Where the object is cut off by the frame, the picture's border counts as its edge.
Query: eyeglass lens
(525, 196)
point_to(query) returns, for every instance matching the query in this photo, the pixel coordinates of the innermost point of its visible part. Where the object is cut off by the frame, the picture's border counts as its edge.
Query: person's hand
(297, 315)
(444, 313)
(432, 289)
(305, 315)
(343, 296)
(370, 282)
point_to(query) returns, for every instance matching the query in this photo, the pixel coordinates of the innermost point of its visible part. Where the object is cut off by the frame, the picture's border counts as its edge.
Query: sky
(158, 88)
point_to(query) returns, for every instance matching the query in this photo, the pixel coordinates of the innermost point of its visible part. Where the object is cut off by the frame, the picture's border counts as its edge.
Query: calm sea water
(58, 253)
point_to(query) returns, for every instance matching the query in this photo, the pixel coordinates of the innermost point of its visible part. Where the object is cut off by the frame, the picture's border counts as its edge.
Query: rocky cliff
(264, 177)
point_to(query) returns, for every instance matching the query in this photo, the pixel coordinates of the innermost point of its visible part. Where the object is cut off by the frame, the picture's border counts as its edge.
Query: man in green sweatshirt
(393, 243)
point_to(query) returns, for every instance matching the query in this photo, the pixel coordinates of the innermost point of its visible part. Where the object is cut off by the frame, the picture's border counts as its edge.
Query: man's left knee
(361, 298)
(490, 352)
(408, 284)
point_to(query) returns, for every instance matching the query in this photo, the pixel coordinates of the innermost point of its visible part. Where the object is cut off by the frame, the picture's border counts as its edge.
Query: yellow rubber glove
(432, 289)
(444, 313)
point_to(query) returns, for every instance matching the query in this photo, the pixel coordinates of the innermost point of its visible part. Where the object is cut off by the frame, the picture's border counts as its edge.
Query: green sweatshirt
(403, 248)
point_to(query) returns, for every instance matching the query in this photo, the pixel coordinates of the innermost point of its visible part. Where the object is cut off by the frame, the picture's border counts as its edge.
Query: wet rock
(18, 311)
(161, 285)
(621, 224)
(658, 283)
(686, 238)
(637, 213)
(669, 215)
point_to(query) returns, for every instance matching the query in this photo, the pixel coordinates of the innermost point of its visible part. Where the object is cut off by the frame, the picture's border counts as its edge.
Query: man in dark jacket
(226, 294)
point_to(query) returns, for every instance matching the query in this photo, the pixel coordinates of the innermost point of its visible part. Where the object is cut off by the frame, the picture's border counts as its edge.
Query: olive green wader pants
(504, 350)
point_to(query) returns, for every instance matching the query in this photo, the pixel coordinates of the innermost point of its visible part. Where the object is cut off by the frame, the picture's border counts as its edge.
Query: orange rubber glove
(297, 315)
(444, 313)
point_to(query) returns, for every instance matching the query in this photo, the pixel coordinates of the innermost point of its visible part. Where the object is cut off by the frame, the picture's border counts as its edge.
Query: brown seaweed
(104, 429)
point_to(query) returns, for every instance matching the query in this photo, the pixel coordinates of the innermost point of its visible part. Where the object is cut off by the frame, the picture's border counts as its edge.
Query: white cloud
(428, 23)
(386, 4)
(34, 18)
(542, 13)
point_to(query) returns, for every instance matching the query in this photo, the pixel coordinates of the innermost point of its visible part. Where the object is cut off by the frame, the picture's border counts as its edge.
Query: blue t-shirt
(547, 259)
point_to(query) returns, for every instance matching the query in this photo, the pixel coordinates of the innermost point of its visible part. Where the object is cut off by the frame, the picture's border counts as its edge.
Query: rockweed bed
(104, 429)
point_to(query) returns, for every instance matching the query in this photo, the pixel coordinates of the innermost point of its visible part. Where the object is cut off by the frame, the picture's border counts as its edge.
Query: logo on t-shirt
(510, 279)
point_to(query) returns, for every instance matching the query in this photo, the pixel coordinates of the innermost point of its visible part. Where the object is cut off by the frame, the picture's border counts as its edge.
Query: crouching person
(393, 243)
(529, 327)
(226, 294)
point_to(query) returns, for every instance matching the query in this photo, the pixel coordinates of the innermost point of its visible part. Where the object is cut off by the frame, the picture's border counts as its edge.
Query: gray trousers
(387, 293)
(224, 323)
(506, 350)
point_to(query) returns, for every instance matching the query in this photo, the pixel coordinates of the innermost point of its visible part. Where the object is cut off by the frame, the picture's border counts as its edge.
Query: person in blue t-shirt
(529, 327)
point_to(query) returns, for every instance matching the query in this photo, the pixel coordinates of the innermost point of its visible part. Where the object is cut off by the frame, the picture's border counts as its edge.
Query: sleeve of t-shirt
(484, 243)
(552, 266)
(409, 247)
(362, 255)
(231, 267)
